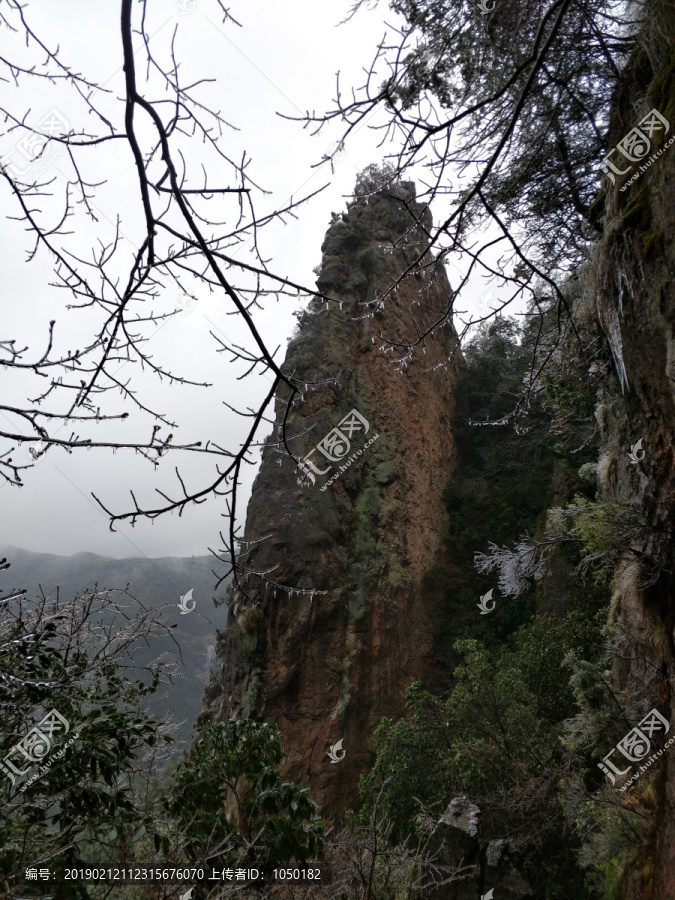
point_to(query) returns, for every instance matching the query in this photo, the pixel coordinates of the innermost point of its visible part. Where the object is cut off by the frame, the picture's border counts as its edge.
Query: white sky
(283, 60)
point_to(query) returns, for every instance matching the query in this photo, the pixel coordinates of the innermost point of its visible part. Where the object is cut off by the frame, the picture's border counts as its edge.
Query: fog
(282, 62)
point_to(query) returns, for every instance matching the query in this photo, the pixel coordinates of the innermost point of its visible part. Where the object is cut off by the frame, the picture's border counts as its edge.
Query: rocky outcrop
(479, 868)
(347, 541)
(630, 290)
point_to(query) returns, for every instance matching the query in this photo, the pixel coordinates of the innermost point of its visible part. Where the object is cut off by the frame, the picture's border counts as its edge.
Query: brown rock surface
(630, 284)
(329, 666)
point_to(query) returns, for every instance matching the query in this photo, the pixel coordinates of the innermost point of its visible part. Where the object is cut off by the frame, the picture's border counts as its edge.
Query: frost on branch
(602, 533)
(515, 566)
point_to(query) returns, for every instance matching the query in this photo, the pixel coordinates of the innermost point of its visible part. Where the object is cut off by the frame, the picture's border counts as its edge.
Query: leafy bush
(79, 658)
(101, 797)
(229, 799)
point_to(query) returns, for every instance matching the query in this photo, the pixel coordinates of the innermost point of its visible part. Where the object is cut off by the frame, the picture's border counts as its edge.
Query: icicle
(613, 332)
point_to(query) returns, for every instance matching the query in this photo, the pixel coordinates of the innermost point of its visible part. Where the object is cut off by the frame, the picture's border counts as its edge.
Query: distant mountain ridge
(153, 582)
(158, 580)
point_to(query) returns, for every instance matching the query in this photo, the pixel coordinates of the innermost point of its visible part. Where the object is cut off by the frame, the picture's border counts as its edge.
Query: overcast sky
(283, 59)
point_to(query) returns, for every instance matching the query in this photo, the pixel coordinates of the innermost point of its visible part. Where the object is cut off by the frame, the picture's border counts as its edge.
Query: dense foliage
(229, 801)
(497, 736)
(83, 779)
(74, 657)
(157, 584)
(511, 470)
(541, 72)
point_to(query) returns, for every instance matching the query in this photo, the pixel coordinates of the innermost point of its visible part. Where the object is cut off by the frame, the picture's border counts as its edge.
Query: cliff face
(327, 666)
(630, 285)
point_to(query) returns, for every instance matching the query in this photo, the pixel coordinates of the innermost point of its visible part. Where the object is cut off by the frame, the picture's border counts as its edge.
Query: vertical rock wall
(630, 286)
(327, 667)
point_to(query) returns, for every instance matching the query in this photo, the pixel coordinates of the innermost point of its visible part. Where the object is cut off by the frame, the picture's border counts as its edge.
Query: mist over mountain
(154, 583)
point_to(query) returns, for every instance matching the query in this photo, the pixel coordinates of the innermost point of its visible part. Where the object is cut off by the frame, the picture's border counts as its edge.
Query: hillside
(154, 583)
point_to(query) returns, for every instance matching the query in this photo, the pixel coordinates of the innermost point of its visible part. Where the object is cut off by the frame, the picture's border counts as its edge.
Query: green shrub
(229, 799)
